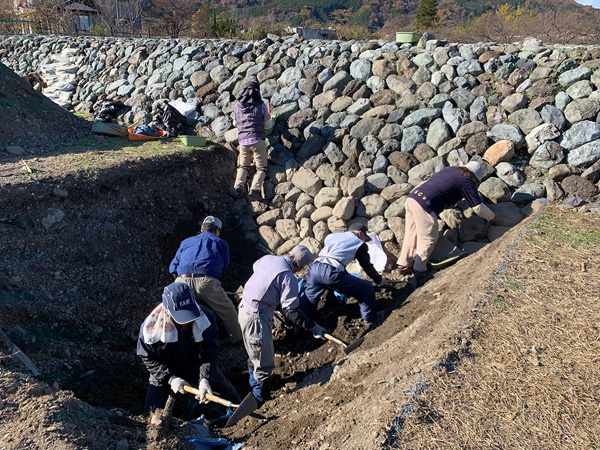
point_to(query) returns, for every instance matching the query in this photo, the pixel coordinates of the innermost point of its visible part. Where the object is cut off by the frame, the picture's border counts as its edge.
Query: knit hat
(475, 169)
(301, 255)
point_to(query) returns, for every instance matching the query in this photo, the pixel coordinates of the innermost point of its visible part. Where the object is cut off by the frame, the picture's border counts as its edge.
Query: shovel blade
(248, 406)
(348, 348)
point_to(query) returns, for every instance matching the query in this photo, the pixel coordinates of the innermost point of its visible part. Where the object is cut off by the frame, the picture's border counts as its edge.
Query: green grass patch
(567, 229)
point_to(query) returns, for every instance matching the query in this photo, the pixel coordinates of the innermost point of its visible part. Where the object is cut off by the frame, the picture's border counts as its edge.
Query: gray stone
(507, 214)
(514, 102)
(307, 181)
(290, 77)
(572, 76)
(528, 192)
(321, 215)
(411, 137)
(526, 119)
(547, 155)
(455, 117)
(338, 81)
(495, 232)
(463, 98)
(220, 125)
(424, 171)
(509, 174)
(53, 216)
(396, 191)
(359, 107)
(270, 236)
(478, 109)
(585, 155)
(437, 134)
(553, 115)
(269, 218)
(472, 228)
(495, 190)
(334, 154)
(592, 173)
(377, 182)
(380, 164)
(396, 209)
(391, 131)
(287, 229)
(220, 74)
(507, 132)
(579, 134)
(582, 109)
(15, 150)
(371, 206)
(360, 69)
(328, 196)
(457, 157)
(422, 117)
(452, 217)
(539, 135)
(344, 208)
(365, 127)
(553, 191)
(580, 89)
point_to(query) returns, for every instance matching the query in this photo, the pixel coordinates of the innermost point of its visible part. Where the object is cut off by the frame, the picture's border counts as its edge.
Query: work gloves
(318, 331)
(204, 388)
(382, 283)
(177, 385)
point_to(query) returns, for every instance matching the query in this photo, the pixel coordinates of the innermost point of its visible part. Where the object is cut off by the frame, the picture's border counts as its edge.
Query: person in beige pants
(423, 205)
(200, 263)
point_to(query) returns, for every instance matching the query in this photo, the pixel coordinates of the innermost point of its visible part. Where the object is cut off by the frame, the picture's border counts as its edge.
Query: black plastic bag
(173, 121)
(107, 111)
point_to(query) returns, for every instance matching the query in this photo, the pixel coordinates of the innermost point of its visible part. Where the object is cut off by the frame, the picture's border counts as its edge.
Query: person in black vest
(178, 345)
(250, 114)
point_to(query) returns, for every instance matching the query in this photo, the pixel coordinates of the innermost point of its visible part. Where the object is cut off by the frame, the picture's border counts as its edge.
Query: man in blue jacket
(178, 345)
(329, 272)
(200, 262)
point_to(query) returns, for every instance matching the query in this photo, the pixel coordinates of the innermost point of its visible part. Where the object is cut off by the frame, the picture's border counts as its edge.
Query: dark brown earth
(87, 235)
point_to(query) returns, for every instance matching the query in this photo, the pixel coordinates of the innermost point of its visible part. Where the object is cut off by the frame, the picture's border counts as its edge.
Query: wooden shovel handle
(211, 397)
(334, 339)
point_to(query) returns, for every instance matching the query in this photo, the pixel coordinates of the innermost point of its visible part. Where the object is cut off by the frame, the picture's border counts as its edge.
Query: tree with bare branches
(171, 17)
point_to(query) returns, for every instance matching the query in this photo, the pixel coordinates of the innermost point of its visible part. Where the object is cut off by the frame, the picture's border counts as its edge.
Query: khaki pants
(420, 236)
(259, 151)
(258, 339)
(209, 292)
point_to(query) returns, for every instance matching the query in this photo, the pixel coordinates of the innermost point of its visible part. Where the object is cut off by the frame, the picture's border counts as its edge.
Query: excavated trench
(74, 293)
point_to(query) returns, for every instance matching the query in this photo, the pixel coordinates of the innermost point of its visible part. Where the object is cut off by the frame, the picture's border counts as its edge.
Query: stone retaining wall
(359, 124)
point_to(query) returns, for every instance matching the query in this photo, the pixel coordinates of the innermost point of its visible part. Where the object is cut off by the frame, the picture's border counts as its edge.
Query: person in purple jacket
(250, 114)
(423, 205)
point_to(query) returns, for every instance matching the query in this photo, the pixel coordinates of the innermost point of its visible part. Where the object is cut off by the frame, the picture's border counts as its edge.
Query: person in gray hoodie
(250, 114)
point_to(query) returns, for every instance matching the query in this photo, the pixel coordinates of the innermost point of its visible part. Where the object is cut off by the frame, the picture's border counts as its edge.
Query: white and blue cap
(212, 220)
(179, 299)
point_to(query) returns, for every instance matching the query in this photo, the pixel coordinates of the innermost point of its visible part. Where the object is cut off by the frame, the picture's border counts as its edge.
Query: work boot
(422, 277)
(404, 270)
(239, 191)
(379, 316)
(255, 194)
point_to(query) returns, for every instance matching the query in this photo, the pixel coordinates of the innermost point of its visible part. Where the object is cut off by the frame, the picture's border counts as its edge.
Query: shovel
(347, 347)
(247, 407)
(211, 397)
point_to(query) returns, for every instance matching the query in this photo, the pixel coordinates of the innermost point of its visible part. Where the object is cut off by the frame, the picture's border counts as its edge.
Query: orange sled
(142, 137)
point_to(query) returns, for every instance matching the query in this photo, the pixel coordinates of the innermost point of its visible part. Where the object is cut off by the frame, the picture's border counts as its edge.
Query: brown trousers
(420, 236)
(246, 152)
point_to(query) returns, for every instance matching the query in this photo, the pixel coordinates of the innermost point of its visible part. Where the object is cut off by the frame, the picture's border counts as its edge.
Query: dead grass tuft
(532, 380)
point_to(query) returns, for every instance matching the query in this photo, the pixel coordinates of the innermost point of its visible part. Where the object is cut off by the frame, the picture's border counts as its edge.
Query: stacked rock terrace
(359, 124)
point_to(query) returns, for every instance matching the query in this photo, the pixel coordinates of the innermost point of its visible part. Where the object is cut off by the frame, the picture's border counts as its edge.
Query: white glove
(177, 385)
(204, 388)
(318, 331)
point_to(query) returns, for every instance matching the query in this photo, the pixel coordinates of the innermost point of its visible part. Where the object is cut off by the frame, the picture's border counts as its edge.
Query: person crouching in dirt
(272, 283)
(178, 345)
(423, 205)
(200, 262)
(329, 272)
(250, 115)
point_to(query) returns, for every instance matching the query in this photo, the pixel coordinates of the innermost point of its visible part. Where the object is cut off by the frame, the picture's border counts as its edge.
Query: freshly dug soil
(32, 121)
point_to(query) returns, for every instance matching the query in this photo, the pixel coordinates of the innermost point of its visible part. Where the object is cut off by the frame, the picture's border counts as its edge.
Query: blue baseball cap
(179, 299)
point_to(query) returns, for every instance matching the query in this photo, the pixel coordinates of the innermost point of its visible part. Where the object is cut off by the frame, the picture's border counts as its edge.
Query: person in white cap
(272, 284)
(178, 345)
(423, 205)
(200, 262)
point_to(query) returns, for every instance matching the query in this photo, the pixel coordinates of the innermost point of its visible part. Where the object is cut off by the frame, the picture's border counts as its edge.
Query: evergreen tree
(426, 15)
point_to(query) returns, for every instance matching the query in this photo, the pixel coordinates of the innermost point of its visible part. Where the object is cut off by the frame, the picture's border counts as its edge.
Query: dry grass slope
(530, 379)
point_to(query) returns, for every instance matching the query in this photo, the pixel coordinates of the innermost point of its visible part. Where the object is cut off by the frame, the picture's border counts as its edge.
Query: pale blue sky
(594, 3)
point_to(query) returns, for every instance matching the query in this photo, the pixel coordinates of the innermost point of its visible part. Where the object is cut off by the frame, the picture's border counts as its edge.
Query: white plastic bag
(184, 108)
(378, 256)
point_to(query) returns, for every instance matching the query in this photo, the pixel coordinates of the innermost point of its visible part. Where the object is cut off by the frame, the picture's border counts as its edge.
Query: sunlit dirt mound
(30, 120)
